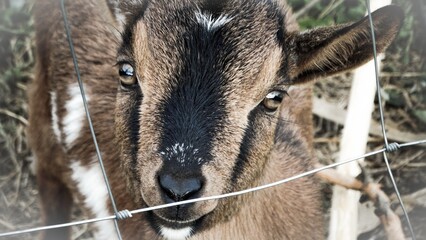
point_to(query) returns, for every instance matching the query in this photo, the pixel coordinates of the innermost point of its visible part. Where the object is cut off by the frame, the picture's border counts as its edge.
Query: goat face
(198, 104)
(201, 91)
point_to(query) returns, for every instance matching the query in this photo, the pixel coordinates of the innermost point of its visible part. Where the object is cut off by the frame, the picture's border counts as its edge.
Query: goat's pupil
(126, 70)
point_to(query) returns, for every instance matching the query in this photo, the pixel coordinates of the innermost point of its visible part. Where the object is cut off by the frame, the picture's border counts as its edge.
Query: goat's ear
(325, 51)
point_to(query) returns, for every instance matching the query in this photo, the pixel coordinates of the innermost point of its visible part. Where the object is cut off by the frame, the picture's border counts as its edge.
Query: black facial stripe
(286, 137)
(284, 134)
(281, 29)
(127, 40)
(194, 111)
(134, 126)
(245, 145)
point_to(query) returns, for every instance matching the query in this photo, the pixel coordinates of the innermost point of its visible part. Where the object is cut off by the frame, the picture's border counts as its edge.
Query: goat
(188, 99)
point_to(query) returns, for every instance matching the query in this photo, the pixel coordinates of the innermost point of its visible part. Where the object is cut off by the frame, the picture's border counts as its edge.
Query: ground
(403, 82)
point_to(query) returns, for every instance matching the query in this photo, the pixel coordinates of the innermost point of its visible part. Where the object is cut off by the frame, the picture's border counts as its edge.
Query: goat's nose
(177, 189)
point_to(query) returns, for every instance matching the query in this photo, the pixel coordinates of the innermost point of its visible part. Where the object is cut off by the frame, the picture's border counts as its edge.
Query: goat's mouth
(177, 223)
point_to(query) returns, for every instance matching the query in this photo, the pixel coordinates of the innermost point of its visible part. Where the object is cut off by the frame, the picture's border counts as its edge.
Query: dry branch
(7, 225)
(14, 115)
(332, 112)
(390, 220)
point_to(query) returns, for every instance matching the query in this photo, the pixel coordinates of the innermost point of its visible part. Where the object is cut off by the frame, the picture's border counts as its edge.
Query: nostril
(178, 189)
(170, 193)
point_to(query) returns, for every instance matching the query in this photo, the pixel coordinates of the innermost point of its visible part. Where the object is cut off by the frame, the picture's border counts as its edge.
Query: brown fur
(252, 63)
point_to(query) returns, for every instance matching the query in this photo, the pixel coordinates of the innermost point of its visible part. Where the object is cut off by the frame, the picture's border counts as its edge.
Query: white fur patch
(75, 115)
(91, 185)
(54, 113)
(209, 22)
(176, 234)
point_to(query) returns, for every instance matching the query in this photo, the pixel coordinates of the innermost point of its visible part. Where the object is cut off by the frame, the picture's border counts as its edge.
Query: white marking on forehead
(75, 115)
(176, 234)
(54, 113)
(209, 22)
(91, 185)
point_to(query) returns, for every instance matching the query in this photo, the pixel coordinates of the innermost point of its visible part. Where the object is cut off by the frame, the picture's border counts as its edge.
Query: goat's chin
(176, 234)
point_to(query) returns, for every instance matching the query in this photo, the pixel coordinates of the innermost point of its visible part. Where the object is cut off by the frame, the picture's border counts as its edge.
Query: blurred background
(403, 81)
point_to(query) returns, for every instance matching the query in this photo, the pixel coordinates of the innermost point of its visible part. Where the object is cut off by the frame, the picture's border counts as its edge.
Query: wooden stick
(344, 210)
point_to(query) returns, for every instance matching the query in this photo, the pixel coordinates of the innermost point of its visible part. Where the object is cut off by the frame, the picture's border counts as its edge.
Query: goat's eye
(127, 74)
(273, 100)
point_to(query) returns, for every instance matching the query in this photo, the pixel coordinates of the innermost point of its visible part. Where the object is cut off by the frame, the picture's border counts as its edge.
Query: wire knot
(392, 147)
(121, 215)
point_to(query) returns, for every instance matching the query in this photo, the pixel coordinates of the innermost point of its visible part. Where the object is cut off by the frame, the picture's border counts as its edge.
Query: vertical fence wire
(125, 214)
(86, 109)
(382, 119)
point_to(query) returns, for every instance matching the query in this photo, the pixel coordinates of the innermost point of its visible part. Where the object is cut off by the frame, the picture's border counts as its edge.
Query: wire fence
(124, 214)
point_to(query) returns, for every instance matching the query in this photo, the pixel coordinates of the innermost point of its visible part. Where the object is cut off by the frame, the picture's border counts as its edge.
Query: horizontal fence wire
(120, 215)
(127, 213)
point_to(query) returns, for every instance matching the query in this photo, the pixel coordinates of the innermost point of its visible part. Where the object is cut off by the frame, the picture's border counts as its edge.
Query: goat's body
(67, 165)
(57, 104)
